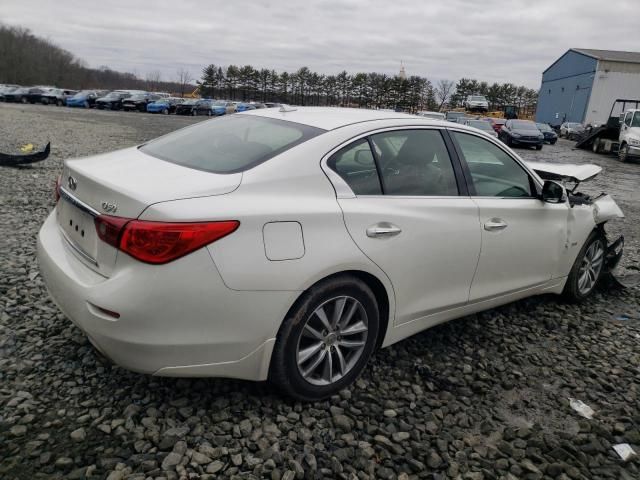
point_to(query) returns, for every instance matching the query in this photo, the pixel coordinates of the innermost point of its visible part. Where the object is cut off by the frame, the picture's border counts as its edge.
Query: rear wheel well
(376, 286)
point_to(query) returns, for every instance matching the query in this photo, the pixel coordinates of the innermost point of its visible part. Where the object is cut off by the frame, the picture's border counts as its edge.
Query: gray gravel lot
(484, 397)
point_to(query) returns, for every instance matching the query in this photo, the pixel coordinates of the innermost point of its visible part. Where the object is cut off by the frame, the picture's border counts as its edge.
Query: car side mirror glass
(553, 192)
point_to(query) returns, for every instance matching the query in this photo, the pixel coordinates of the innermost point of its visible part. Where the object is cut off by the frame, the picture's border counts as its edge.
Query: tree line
(366, 90)
(26, 59)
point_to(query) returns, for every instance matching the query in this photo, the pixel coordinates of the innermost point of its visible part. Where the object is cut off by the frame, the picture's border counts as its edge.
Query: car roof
(329, 118)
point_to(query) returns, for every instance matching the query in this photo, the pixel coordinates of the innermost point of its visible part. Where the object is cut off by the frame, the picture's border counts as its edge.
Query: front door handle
(383, 230)
(495, 224)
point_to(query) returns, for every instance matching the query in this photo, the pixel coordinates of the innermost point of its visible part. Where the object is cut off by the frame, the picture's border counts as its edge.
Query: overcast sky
(492, 40)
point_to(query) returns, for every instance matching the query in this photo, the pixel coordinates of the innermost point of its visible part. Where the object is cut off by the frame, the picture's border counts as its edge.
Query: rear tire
(587, 269)
(310, 361)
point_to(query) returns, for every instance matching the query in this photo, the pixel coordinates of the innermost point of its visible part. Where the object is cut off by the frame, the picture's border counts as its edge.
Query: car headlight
(516, 134)
(635, 142)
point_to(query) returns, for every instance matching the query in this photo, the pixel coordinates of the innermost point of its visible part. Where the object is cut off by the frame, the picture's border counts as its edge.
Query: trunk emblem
(109, 207)
(72, 182)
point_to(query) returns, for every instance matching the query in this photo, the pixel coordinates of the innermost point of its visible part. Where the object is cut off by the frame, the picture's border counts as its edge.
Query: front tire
(326, 339)
(587, 269)
(623, 153)
(538, 147)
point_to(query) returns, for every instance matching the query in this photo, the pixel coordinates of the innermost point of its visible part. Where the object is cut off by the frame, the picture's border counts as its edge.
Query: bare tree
(184, 79)
(153, 80)
(443, 89)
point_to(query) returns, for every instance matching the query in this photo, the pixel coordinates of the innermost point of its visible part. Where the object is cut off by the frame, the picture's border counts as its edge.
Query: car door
(522, 236)
(410, 215)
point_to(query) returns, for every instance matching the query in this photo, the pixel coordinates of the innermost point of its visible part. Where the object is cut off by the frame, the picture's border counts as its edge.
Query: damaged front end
(603, 208)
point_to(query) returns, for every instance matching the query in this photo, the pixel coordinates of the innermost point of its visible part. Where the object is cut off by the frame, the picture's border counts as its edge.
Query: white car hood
(565, 171)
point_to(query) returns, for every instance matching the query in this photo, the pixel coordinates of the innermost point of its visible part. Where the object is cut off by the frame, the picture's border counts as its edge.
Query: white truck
(621, 132)
(629, 135)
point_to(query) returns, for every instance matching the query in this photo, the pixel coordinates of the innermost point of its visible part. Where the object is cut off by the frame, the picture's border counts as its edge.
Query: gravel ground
(483, 397)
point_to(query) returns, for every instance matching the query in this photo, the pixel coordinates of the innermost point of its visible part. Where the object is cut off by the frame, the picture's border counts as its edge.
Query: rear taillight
(159, 242)
(57, 188)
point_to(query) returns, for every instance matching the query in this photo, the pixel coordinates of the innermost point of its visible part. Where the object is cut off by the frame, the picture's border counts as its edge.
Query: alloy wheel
(590, 267)
(332, 340)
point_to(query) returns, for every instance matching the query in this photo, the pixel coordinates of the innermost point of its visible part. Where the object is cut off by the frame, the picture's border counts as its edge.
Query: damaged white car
(288, 245)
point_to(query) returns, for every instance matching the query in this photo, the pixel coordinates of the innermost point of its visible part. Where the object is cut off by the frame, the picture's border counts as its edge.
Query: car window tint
(415, 162)
(493, 172)
(356, 165)
(636, 120)
(230, 144)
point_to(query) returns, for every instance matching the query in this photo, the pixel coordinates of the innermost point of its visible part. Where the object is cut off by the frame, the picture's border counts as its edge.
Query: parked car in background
(482, 125)
(4, 89)
(202, 107)
(23, 95)
(37, 94)
(139, 101)
(84, 99)
(454, 116)
(186, 107)
(243, 107)
(112, 100)
(57, 96)
(229, 107)
(162, 94)
(217, 264)
(476, 103)
(164, 105)
(433, 115)
(571, 130)
(521, 132)
(549, 134)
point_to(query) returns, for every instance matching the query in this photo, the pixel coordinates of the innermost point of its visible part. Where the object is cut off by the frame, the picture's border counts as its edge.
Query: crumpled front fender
(605, 208)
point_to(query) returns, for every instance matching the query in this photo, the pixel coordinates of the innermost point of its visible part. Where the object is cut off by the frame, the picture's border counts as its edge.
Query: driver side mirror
(553, 192)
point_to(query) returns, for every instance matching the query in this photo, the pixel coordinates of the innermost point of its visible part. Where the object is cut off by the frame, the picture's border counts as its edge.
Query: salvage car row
(513, 132)
(128, 100)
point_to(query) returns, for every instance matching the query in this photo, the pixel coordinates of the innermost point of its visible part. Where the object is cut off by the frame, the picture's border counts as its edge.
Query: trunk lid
(124, 184)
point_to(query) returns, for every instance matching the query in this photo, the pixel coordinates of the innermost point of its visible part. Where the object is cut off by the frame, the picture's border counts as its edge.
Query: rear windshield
(230, 144)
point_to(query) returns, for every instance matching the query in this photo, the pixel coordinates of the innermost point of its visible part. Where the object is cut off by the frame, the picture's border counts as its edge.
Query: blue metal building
(582, 85)
(566, 87)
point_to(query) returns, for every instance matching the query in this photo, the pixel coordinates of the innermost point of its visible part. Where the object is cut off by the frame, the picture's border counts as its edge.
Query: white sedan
(289, 244)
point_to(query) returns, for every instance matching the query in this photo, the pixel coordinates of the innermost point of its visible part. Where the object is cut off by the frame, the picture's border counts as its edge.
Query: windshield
(478, 99)
(543, 127)
(524, 125)
(481, 124)
(230, 144)
(83, 93)
(220, 103)
(636, 120)
(115, 95)
(138, 96)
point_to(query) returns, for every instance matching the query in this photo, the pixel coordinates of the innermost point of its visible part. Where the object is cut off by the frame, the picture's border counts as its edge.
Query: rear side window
(356, 165)
(415, 163)
(230, 144)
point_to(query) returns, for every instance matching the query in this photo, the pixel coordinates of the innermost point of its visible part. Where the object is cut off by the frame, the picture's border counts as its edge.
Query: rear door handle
(495, 224)
(383, 230)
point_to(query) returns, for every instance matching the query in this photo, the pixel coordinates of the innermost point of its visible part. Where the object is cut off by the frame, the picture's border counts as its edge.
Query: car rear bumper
(177, 319)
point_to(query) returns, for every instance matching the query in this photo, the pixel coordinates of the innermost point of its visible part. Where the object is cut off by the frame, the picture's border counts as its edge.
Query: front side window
(230, 144)
(627, 119)
(493, 172)
(414, 163)
(356, 165)
(636, 120)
